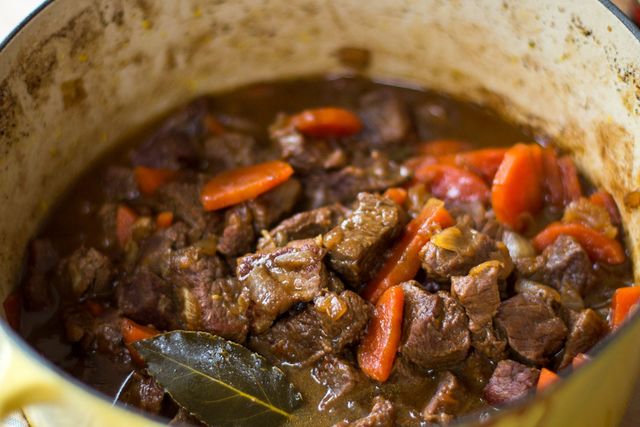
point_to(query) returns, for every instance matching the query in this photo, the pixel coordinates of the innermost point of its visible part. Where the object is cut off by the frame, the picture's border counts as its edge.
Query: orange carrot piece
(125, 218)
(150, 179)
(397, 194)
(517, 187)
(598, 246)
(378, 348)
(579, 360)
(484, 162)
(546, 378)
(403, 262)
(453, 183)
(604, 199)
(443, 147)
(132, 331)
(570, 181)
(164, 219)
(241, 184)
(327, 122)
(12, 313)
(623, 302)
(552, 178)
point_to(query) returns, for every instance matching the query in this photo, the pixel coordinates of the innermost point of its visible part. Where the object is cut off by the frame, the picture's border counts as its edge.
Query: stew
(325, 251)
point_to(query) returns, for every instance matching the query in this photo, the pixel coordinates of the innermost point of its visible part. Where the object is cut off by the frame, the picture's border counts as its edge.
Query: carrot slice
(579, 360)
(404, 261)
(238, 185)
(164, 219)
(397, 194)
(604, 199)
(378, 348)
(453, 183)
(517, 188)
(125, 218)
(132, 331)
(484, 162)
(624, 300)
(327, 122)
(598, 246)
(570, 181)
(150, 179)
(11, 307)
(546, 378)
(552, 178)
(442, 147)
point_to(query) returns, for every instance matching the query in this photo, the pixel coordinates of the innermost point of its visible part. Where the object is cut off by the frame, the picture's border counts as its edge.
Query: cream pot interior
(84, 73)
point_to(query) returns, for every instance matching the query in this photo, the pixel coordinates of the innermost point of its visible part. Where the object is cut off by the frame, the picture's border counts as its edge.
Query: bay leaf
(220, 382)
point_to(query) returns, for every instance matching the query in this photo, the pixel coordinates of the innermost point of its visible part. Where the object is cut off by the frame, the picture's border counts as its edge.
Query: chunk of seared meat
(183, 199)
(119, 184)
(383, 414)
(562, 264)
(325, 327)
(385, 117)
(455, 250)
(338, 376)
(231, 150)
(586, 328)
(510, 381)
(280, 278)
(435, 331)
(238, 234)
(155, 251)
(272, 206)
(147, 298)
(356, 246)
(533, 330)
(303, 225)
(448, 400)
(43, 259)
(87, 272)
(143, 392)
(93, 333)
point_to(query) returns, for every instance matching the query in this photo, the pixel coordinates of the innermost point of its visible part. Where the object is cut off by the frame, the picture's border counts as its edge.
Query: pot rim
(473, 417)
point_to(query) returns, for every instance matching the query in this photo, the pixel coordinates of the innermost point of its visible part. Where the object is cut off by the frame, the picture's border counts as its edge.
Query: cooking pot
(82, 74)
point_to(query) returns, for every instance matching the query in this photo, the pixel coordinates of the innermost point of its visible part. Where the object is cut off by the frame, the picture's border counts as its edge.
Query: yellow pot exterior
(570, 68)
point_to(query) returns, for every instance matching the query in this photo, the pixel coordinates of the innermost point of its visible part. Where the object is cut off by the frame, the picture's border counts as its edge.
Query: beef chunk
(562, 264)
(280, 278)
(102, 333)
(183, 199)
(119, 184)
(586, 328)
(43, 259)
(303, 225)
(154, 253)
(356, 246)
(338, 376)
(238, 235)
(386, 118)
(230, 150)
(532, 329)
(148, 299)
(471, 248)
(435, 330)
(479, 294)
(143, 392)
(448, 400)
(270, 207)
(383, 414)
(88, 271)
(325, 327)
(510, 381)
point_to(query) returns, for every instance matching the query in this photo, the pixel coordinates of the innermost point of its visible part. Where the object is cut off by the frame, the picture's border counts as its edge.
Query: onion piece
(517, 245)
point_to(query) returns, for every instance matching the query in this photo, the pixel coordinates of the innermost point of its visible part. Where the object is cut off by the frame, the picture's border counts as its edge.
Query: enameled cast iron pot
(81, 74)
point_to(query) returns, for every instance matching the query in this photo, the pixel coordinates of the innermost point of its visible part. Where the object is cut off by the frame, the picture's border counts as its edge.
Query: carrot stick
(11, 307)
(579, 360)
(404, 261)
(327, 122)
(238, 185)
(452, 182)
(378, 348)
(624, 301)
(598, 246)
(397, 194)
(150, 179)
(517, 186)
(484, 162)
(552, 178)
(125, 218)
(570, 181)
(604, 199)
(164, 219)
(443, 147)
(132, 331)
(546, 378)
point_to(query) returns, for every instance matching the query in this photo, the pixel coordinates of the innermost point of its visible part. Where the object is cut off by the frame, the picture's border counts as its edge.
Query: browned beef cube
(356, 246)
(87, 271)
(449, 399)
(510, 381)
(338, 376)
(183, 199)
(319, 329)
(280, 278)
(231, 150)
(385, 116)
(564, 263)
(148, 299)
(532, 329)
(119, 184)
(491, 342)
(43, 259)
(383, 414)
(586, 328)
(154, 252)
(143, 392)
(103, 333)
(435, 331)
(303, 225)
(478, 292)
(455, 250)
(270, 207)
(238, 235)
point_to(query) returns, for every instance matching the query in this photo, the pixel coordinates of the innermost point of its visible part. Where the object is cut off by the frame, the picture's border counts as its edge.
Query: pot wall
(84, 73)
